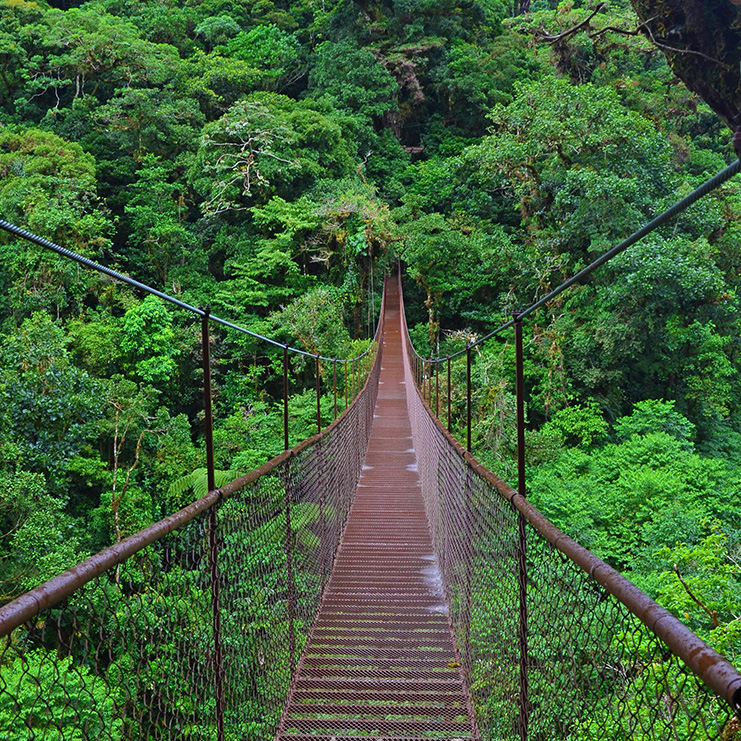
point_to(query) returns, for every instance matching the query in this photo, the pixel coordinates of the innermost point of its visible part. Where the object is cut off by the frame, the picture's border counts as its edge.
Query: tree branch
(683, 51)
(542, 35)
(552, 39)
(713, 613)
(614, 29)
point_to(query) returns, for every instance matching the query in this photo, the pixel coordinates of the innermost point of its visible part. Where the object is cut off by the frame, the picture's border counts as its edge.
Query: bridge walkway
(380, 660)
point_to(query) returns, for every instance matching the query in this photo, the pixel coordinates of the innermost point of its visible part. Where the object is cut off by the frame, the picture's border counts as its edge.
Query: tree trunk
(702, 42)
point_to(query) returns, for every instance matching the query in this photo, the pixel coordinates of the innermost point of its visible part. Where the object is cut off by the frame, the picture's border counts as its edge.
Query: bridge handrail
(714, 670)
(52, 592)
(82, 260)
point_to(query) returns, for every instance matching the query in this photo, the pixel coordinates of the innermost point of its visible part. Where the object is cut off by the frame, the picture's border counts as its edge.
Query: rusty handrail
(714, 670)
(50, 593)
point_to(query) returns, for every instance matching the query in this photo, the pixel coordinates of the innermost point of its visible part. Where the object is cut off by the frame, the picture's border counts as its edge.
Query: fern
(197, 482)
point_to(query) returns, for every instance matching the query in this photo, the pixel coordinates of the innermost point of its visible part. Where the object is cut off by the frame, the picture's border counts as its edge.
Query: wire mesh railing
(554, 643)
(192, 627)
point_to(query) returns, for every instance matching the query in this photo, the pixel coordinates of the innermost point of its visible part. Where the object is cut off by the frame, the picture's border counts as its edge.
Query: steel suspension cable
(87, 262)
(680, 206)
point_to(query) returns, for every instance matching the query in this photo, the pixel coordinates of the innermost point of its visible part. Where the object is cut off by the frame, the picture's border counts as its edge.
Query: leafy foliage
(272, 160)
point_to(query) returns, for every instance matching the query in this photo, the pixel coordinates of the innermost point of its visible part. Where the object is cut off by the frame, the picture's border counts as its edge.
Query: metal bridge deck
(380, 661)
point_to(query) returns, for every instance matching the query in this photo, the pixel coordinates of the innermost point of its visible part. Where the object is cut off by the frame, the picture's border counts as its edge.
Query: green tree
(313, 320)
(354, 78)
(268, 49)
(159, 235)
(147, 342)
(655, 415)
(583, 168)
(48, 186)
(269, 144)
(217, 30)
(48, 405)
(14, 56)
(480, 76)
(85, 51)
(39, 539)
(630, 499)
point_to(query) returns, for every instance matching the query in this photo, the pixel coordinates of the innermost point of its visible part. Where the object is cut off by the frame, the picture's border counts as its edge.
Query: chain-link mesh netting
(549, 653)
(196, 635)
(128, 655)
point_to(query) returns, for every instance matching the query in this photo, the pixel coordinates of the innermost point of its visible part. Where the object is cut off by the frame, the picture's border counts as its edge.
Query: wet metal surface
(380, 661)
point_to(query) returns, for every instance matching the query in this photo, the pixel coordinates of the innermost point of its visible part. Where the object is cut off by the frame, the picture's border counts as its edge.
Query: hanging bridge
(373, 581)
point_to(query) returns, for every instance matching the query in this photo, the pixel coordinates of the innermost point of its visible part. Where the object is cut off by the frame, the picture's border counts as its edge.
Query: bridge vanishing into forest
(373, 581)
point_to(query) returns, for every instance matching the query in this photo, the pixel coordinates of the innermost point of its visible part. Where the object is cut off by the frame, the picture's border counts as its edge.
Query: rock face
(702, 41)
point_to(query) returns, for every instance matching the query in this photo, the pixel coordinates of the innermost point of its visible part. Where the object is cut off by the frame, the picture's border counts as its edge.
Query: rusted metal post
(285, 398)
(318, 396)
(437, 388)
(287, 504)
(449, 393)
(324, 546)
(467, 549)
(207, 405)
(213, 540)
(334, 385)
(468, 398)
(289, 571)
(524, 716)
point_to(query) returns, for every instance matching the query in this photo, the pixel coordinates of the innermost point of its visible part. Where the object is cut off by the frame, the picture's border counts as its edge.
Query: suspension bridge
(373, 581)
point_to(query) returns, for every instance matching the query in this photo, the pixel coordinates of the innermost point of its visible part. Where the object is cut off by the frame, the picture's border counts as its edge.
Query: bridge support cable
(561, 645)
(661, 220)
(28, 236)
(184, 630)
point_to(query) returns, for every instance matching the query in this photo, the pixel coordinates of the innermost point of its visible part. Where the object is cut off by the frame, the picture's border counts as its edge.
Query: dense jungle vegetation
(271, 159)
